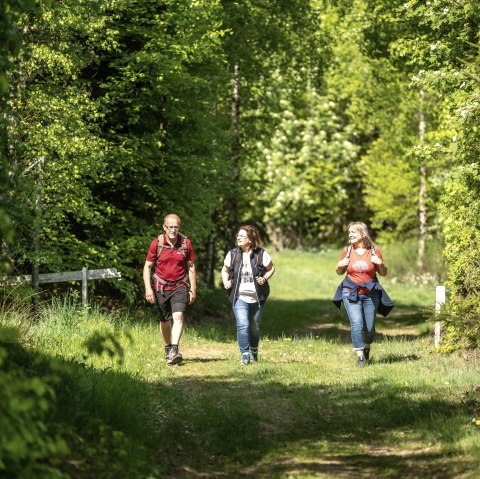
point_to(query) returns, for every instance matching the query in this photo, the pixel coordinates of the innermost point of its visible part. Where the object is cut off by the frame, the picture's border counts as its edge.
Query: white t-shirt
(246, 287)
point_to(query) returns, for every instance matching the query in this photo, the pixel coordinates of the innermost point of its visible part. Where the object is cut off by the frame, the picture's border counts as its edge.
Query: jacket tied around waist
(385, 305)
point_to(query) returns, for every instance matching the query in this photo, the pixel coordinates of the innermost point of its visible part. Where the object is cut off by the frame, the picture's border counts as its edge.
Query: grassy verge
(304, 410)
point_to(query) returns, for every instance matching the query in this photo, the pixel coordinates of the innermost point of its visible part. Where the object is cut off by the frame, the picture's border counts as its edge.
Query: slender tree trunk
(276, 236)
(422, 196)
(210, 262)
(234, 157)
(38, 220)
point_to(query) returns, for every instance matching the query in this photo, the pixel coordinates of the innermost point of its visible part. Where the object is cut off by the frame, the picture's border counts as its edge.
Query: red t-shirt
(172, 265)
(361, 269)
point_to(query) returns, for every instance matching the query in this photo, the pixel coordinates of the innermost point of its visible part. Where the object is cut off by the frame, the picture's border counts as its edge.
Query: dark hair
(252, 234)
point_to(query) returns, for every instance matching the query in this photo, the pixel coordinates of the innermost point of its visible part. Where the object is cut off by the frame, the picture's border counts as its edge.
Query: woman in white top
(246, 271)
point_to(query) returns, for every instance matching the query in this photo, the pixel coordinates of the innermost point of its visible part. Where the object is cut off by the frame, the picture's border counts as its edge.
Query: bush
(461, 210)
(460, 322)
(28, 448)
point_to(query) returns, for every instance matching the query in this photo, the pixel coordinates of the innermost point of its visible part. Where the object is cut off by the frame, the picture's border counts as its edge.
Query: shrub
(28, 448)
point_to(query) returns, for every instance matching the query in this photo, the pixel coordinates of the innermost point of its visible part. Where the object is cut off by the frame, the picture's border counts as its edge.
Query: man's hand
(149, 296)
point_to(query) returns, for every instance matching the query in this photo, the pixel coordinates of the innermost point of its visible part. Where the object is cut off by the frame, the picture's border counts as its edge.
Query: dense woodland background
(296, 115)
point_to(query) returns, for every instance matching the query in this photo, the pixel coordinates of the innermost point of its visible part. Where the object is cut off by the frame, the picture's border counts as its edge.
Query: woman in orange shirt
(361, 294)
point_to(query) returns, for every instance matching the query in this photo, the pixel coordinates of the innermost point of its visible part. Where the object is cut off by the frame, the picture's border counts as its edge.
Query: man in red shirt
(174, 272)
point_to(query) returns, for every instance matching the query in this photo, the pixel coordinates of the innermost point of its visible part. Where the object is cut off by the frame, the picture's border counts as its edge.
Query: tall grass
(402, 260)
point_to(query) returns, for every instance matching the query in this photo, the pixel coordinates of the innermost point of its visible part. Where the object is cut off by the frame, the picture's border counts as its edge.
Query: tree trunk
(234, 157)
(422, 195)
(276, 237)
(38, 220)
(210, 262)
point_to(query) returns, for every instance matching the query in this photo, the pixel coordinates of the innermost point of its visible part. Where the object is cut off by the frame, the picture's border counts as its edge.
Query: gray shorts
(172, 301)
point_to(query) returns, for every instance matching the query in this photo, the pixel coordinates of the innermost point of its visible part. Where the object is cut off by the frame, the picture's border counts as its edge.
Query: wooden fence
(84, 276)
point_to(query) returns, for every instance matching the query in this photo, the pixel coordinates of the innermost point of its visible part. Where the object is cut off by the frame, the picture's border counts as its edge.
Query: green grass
(303, 411)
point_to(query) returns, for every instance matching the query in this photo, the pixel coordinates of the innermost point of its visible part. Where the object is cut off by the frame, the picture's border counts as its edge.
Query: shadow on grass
(394, 358)
(250, 424)
(303, 318)
(202, 360)
(256, 427)
(88, 418)
(212, 318)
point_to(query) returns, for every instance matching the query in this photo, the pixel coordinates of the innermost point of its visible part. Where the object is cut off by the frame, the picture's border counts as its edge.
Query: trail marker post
(439, 302)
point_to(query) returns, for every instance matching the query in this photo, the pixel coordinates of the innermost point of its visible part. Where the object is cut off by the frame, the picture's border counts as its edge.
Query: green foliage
(454, 73)
(60, 417)
(10, 48)
(460, 324)
(119, 112)
(119, 101)
(29, 447)
(305, 167)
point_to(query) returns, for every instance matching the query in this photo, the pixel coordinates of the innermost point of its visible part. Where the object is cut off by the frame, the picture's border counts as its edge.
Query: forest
(295, 116)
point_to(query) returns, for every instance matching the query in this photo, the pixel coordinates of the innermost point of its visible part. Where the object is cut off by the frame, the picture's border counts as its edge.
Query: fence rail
(84, 276)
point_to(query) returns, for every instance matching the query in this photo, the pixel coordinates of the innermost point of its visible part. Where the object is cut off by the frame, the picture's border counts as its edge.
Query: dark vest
(256, 260)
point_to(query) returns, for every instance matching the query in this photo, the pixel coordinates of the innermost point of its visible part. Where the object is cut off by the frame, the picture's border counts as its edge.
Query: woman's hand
(381, 268)
(227, 284)
(261, 280)
(343, 262)
(342, 265)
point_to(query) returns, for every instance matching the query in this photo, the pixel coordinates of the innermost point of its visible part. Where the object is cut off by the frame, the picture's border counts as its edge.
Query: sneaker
(361, 361)
(174, 357)
(245, 359)
(366, 353)
(167, 350)
(253, 355)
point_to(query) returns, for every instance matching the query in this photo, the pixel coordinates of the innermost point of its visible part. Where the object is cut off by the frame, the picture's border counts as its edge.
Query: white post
(439, 302)
(84, 286)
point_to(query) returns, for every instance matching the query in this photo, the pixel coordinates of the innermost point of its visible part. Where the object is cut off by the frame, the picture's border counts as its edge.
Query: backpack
(183, 249)
(161, 244)
(350, 247)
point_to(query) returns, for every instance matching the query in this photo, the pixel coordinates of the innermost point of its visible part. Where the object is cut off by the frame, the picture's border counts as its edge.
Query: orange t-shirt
(361, 269)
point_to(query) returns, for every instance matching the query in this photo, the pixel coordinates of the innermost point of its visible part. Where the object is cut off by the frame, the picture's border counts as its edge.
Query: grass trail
(305, 410)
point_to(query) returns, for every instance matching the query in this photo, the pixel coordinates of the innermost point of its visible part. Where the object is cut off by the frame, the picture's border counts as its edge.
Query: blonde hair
(252, 234)
(362, 228)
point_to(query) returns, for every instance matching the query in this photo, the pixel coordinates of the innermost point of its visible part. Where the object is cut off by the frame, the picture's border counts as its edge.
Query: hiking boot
(361, 361)
(174, 357)
(366, 353)
(253, 355)
(167, 350)
(245, 359)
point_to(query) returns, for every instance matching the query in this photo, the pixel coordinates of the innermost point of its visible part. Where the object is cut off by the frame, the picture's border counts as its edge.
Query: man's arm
(147, 272)
(192, 278)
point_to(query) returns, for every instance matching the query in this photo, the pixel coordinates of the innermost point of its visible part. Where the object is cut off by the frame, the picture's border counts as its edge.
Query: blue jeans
(361, 314)
(248, 318)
